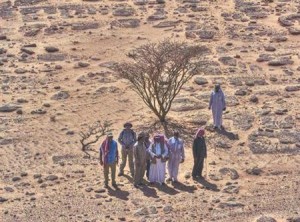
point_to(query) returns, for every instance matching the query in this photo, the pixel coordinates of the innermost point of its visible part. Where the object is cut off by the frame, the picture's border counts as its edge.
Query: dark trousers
(198, 167)
(148, 168)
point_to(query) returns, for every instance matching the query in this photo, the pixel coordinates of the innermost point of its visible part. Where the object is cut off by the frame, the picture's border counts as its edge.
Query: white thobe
(176, 155)
(158, 170)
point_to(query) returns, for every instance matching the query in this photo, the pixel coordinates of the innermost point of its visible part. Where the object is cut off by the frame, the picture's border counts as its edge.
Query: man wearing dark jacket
(199, 154)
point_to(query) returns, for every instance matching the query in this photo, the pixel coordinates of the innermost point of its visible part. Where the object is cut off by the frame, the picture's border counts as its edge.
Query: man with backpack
(127, 139)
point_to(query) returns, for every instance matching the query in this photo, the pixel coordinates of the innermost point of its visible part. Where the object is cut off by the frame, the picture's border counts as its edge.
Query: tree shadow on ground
(229, 135)
(167, 128)
(118, 193)
(208, 185)
(182, 187)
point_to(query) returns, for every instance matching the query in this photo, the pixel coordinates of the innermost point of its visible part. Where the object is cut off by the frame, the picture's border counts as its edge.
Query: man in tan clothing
(140, 153)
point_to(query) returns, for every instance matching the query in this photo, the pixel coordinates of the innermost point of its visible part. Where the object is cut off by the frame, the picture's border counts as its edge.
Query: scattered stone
(270, 48)
(51, 49)
(126, 23)
(100, 191)
(61, 95)
(123, 11)
(200, 81)
(281, 61)
(28, 51)
(230, 204)
(227, 60)
(293, 219)
(51, 177)
(9, 108)
(292, 88)
(166, 24)
(265, 219)
(9, 189)
(167, 209)
(187, 175)
(254, 171)
(24, 174)
(141, 212)
(233, 173)
(82, 65)
(231, 189)
(240, 92)
(294, 31)
(38, 111)
(253, 99)
(51, 57)
(20, 71)
(2, 199)
(21, 100)
(85, 26)
(36, 176)
(89, 189)
(279, 39)
(14, 179)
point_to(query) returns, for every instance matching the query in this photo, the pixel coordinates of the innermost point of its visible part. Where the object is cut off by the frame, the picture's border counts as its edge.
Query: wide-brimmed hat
(127, 124)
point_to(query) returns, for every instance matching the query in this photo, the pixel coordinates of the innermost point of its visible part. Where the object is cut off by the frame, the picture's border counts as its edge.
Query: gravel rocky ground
(55, 60)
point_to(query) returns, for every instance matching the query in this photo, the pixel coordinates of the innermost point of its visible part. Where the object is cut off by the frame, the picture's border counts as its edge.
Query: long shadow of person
(166, 189)
(183, 187)
(118, 193)
(130, 179)
(208, 185)
(149, 192)
(229, 135)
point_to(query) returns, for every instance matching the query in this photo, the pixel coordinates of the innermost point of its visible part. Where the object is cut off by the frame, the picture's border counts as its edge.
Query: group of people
(152, 157)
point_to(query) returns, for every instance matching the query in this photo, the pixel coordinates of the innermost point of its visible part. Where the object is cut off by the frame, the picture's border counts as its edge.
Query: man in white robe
(217, 105)
(176, 156)
(158, 151)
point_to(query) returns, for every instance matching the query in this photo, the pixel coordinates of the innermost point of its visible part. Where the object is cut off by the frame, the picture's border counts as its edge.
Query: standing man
(147, 143)
(176, 156)
(127, 139)
(139, 153)
(109, 159)
(199, 154)
(159, 154)
(217, 105)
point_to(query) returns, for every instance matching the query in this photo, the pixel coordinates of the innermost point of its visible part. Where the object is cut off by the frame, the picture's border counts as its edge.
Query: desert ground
(56, 80)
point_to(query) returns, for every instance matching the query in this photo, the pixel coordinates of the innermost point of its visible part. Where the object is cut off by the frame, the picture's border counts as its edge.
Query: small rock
(292, 88)
(20, 71)
(141, 212)
(253, 99)
(51, 177)
(24, 174)
(60, 95)
(9, 189)
(240, 92)
(167, 209)
(89, 189)
(2, 199)
(200, 81)
(14, 179)
(51, 49)
(187, 175)
(36, 176)
(100, 191)
(265, 219)
(254, 171)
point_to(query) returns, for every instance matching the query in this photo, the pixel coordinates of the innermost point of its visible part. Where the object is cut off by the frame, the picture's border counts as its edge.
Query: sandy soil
(47, 98)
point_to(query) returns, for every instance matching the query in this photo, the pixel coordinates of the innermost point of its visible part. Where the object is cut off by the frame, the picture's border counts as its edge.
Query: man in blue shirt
(109, 158)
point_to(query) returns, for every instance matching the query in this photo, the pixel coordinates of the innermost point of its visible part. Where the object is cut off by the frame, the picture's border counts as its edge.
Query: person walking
(199, 154)
(176, 156)
(109, 158)
(139, 153)
(127, 139)
(217, 105)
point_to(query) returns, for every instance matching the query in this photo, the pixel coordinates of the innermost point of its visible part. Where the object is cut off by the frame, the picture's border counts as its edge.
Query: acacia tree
(158, 72)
